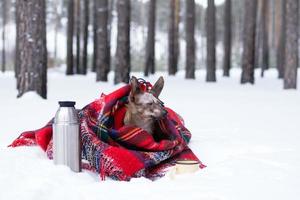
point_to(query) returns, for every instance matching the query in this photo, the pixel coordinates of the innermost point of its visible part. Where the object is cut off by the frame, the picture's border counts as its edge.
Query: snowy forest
(144, 86)
(132, 35)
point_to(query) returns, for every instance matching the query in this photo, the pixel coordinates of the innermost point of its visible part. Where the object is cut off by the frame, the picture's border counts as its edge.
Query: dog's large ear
(158, 86)
(134, 87)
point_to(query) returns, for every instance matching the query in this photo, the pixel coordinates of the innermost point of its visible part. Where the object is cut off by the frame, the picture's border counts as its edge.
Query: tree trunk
(227, 39)
(190, 39)
(258, 35)
(56, 26)
(102, 66)
(122, 69)
(85, 25)
(17, 54)
(16, 64)
(32, 49)
(150, 45)
(265, 38)
(94, 35)
(277, 21)
(111, 4)
(237, 24)
(70, 33)
(78, 33)
(271, 30)
(4, 16)
(291, 48)
(249, 42)
(173, 37)
(282, 39)
(211, 41)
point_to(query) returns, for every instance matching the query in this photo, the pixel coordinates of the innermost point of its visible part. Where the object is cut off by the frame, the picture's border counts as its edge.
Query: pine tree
(227, 38)
(77, 17)
(111, 5)
(32, 50)
(173, 37)
(258, 35)
(85, 24)
(282, 40)
(102, 51)
(211, 41)
(190, 39)
(56, 27)
(265, 38)
(291, 48)
(4, 19)
(95, 44)
(17, 53)
(150, 45)
(249, 42)
(70, 33)
(122, 69)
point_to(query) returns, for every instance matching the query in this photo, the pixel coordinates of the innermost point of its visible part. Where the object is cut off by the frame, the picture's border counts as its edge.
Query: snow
(248, 136)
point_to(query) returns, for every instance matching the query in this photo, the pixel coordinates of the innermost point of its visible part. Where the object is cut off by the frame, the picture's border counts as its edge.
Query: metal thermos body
(66, 136)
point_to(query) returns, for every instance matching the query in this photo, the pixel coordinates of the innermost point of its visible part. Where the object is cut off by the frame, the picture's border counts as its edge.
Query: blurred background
(146, 36)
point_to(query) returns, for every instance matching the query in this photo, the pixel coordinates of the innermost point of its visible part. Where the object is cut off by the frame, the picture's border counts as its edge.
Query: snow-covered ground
(248, 136)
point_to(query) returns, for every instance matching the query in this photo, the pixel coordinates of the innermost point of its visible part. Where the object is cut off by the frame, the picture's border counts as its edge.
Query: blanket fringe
(25, 139)
(101, 171)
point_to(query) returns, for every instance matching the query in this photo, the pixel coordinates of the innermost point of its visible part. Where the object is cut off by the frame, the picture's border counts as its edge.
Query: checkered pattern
(121, 152)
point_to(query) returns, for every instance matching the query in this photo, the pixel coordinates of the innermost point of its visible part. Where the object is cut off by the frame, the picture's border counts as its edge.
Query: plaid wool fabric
(117, 151)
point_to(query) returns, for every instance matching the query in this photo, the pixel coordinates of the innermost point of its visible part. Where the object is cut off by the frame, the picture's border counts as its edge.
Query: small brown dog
(144, 107)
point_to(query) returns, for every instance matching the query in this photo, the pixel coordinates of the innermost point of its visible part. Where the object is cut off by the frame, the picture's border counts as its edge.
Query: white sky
(204, 2)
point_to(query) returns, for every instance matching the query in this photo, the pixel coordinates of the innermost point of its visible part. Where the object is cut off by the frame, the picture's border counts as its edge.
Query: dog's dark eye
(149, 104)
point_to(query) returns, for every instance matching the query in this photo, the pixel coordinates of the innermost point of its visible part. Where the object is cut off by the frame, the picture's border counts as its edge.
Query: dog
(144, 108)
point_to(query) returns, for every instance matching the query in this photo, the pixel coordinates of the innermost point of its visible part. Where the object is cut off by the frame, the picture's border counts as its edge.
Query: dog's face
(147, 104)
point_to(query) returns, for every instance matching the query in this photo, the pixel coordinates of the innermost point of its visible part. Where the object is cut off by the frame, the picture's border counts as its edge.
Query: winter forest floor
(248, 136)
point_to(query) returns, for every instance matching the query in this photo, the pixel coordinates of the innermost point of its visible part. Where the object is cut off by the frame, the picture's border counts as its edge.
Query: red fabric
(43, 137)
(119, 116)
(124, 160)
(118, 151)
(40, 137)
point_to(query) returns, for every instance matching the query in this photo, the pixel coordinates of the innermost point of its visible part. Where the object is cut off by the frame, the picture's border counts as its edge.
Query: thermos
(66, 136)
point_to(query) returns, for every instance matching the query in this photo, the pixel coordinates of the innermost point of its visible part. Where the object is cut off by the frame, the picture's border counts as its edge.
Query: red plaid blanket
(117, 151)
